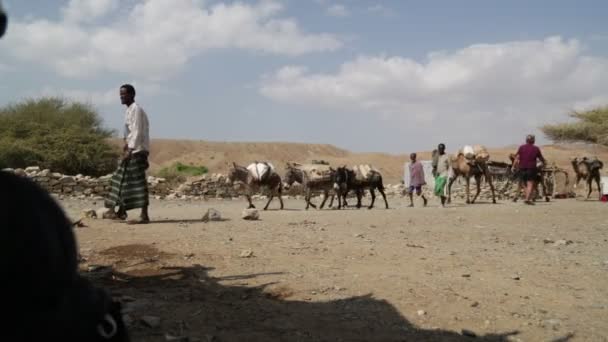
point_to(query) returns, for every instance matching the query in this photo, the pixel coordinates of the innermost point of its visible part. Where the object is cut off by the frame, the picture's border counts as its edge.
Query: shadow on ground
(199, 307)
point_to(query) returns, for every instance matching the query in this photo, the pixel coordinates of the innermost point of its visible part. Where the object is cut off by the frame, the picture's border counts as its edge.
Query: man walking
(416, 179)
(129, 186)
(441, 171)
(527, 155)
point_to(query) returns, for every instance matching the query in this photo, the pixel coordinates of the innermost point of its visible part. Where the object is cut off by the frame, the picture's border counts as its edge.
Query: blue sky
(385, 76)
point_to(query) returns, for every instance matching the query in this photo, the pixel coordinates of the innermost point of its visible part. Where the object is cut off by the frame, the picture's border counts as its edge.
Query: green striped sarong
(440, 184)
(129, 186)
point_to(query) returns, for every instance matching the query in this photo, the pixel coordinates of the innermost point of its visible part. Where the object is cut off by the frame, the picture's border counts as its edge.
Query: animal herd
(336, 183)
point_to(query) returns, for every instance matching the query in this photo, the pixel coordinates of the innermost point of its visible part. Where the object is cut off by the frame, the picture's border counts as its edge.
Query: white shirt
(137, 131)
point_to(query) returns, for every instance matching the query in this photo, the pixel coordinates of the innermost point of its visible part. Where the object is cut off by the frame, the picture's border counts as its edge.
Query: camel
(541, 180)
(296, 174)
(346, 181)
(272, 181)
(467, 169)
(589, 170)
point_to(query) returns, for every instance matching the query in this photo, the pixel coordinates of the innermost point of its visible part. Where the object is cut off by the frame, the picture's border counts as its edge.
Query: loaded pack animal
(347, 180)
(589, 170)
(470, 168)
(305, 175)
(46, 298)
(254, 183)
(541, 180)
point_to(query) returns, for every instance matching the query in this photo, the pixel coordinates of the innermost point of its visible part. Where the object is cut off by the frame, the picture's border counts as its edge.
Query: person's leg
(411, 195)
(424, 201)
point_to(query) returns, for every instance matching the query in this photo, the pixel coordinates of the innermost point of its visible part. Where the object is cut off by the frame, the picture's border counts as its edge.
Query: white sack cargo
(259, 170)
(364, 172)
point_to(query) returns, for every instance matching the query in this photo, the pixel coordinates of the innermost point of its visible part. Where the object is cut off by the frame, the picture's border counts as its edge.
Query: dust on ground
(500, 272)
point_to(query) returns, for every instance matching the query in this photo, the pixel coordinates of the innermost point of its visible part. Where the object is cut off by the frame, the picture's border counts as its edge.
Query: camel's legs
(489, 179)
(450, 182)
(468, 192)
(589, 185)
(478, 183)
(308, 196)
(599, 187)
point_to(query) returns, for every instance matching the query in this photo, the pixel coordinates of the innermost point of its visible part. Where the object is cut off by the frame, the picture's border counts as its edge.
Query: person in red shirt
(527, 156)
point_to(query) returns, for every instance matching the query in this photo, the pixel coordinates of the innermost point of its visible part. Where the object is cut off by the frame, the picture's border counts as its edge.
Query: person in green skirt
(441, 170)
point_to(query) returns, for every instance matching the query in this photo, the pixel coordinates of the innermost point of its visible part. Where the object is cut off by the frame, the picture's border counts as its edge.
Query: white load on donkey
(260, 171)
(364, 172)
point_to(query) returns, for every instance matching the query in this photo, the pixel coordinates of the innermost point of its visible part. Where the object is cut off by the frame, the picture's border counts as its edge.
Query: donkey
(295, 174)
(272, 181)
(588, 170)
(347, 181)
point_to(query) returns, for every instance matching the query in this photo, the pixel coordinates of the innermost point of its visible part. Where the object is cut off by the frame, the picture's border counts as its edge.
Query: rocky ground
(499, 272)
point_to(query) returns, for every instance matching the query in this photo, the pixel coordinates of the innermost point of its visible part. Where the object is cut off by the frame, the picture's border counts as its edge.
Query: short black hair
(130, 89)
(442, 145)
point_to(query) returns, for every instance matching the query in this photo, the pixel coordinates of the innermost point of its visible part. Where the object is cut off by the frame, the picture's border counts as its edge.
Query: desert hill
(218, 156)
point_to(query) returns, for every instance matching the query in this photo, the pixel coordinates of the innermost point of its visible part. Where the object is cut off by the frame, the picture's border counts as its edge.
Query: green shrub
(53, 133)
(591, 127)
(178, 172)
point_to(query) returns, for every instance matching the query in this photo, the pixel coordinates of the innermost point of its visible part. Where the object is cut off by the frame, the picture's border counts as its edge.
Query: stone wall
(213, 186)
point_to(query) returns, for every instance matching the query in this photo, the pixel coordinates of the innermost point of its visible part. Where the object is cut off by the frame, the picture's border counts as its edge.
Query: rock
(151, 321)
(515, 277)
(31, 169)
(468, 333)
(466, 275)
(247, 253)
(553, 323)
(169, 337)
(172, 196)
(8, 169)
(20, 172)
(250, 214)
(67, 180)
(548, 241)
(212, 215)
(89, 213)
(421, 313)
(127, 319)
(103, 213)
(474, 304)
(88, 191)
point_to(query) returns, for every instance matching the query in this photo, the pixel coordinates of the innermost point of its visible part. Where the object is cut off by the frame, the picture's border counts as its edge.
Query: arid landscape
(504, 272)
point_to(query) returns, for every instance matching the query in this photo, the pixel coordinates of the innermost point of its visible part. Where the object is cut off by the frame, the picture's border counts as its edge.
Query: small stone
(466, 275)
(250, 214)
(89, 213)
(553, 323)
(20, 172)
(247, 253)
(358, 235)
(474, 304)
(548, 241)
(421, 312)
(103, 213)
(151, 321)
(32, 169)
(212, 215)
(563, 242)
(515, 277)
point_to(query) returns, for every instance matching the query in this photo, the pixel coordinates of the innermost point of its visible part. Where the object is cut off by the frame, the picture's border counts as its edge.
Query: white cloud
(337, 10)
(88, 10)
(101, 98)
(155, 38)
(485, 90)
(381, 9)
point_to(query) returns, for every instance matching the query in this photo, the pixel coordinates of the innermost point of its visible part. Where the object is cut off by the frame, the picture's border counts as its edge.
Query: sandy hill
(218, 156)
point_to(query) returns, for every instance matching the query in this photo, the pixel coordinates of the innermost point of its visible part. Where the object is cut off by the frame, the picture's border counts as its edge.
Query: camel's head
(290, 177)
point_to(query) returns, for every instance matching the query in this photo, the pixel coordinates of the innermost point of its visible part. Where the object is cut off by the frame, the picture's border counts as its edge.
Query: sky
(375, 76)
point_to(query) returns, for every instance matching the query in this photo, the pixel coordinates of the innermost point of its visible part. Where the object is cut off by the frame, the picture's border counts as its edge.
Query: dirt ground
(505, 272)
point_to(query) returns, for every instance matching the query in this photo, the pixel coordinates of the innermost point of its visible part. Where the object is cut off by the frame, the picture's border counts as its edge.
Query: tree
(591, 127)
(53, 133)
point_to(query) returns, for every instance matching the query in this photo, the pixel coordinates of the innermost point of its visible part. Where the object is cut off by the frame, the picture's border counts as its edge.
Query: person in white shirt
(129, 186)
